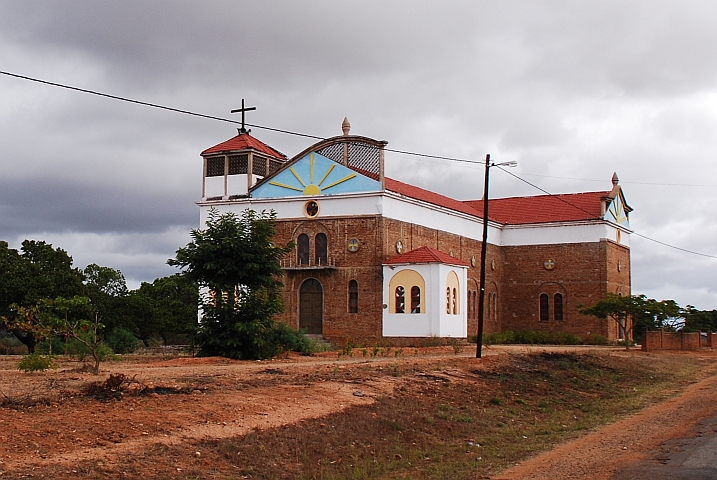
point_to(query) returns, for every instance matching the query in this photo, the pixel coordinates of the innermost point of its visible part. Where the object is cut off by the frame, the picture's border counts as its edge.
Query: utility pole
(483, 252)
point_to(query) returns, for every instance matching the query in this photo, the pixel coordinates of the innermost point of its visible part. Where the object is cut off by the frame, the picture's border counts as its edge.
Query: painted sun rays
(312, 188)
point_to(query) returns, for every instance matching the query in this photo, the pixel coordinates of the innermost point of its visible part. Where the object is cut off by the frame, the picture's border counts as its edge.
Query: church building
(378, 260)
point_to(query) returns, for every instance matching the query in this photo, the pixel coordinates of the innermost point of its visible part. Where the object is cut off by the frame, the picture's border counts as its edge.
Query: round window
(311, 208)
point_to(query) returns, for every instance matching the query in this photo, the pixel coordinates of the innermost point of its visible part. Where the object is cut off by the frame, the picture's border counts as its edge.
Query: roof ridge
(244, 141)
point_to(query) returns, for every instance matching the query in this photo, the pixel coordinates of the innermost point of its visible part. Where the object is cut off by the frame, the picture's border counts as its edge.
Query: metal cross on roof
(242, 110)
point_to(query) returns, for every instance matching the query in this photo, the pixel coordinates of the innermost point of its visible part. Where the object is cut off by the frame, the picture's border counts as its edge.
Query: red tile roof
(543, 208)
(514, 210)
(244, 141)
(425, 255)
(430, 197)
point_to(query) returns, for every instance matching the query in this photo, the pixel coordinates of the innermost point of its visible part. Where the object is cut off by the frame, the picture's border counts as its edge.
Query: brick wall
(515, 277)
(661, 340)
(582, 273)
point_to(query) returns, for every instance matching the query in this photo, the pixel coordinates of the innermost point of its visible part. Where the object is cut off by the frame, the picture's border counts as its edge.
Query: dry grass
(467, 423)
(451, 417)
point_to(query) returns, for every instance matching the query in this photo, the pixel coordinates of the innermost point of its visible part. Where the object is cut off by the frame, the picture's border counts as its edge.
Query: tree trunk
(26, 338)
(96, 369)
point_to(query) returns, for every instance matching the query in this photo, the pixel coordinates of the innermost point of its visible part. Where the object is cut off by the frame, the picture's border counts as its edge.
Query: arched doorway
(311, 306)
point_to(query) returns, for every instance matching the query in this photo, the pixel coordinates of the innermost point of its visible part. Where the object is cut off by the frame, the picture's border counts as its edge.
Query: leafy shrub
(36, 362)
(121, 340)
(533, 337)
(597, 340)
(289, 339)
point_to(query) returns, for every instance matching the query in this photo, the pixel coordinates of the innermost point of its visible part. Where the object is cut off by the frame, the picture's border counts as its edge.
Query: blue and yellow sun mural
(315, 175)
(616, 212)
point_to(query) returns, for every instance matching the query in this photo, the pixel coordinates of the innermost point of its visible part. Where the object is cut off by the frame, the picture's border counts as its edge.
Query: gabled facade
(377, 259)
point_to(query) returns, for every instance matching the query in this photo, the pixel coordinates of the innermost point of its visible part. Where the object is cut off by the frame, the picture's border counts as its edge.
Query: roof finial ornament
(345, 126)
(615, 180)
(242, 110)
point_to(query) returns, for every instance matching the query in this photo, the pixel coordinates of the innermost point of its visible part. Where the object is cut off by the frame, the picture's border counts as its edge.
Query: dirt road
(626, 445)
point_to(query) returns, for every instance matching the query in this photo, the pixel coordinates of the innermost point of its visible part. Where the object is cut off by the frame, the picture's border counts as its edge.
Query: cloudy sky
(571, 90)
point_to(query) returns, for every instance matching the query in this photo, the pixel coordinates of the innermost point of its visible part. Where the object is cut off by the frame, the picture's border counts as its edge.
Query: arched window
(453, 300)
(490, 306)
(558, 307)
(407, 280)
(495, 307)
(302, 249)
(321, 249)
(472, 299)
(415, 299)
(353, 296)
(400, 299)
(544, 307)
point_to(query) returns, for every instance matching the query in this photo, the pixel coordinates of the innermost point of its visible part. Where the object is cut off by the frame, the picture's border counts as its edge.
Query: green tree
(107, 290)
(235, 260)
(66, 317)
(14, 278)
(166, 308)
(38, 271)
(644, 313)
(699, 320)
(51, 271)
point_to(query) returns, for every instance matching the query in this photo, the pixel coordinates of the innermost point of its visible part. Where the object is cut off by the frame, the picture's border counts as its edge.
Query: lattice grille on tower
(363, 157)
(238, 164)
(274, 165)
(215, 167)
(258, 166)
(333, 152)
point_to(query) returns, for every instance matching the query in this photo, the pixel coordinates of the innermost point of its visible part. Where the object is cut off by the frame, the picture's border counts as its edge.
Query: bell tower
(232, 167)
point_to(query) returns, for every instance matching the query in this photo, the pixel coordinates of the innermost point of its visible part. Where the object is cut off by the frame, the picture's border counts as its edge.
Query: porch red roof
(243, 141)
(425, 255)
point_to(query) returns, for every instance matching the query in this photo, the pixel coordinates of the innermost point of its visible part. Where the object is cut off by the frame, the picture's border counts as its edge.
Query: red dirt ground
(224, 398)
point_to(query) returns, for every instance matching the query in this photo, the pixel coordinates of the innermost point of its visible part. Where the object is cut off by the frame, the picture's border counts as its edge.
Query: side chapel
(379, 260)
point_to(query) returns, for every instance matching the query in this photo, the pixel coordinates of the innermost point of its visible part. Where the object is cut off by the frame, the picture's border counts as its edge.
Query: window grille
(400, 300)
(238, 164)
(215, 167)
(321, 249)
(302, 250)
(353, 296)
(558, 307)
(544, 307)
(415, 299)
(274, 165)
(258, 166)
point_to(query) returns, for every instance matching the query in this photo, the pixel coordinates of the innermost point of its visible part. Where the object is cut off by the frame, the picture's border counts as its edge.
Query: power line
(628, 182)
(154, 105)
(212, 117)
(589, 213)
(289, 132)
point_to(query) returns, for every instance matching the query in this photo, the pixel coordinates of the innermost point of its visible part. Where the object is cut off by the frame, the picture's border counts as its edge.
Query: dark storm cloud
(47, 205)
(571, 90)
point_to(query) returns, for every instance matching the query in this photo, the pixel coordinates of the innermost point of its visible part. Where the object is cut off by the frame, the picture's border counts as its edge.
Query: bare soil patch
(430, 413)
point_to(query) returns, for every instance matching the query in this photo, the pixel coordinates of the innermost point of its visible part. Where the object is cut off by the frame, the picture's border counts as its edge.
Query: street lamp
(484, 248)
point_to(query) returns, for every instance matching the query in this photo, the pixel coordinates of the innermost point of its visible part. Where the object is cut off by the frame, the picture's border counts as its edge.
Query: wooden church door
(311, 306)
